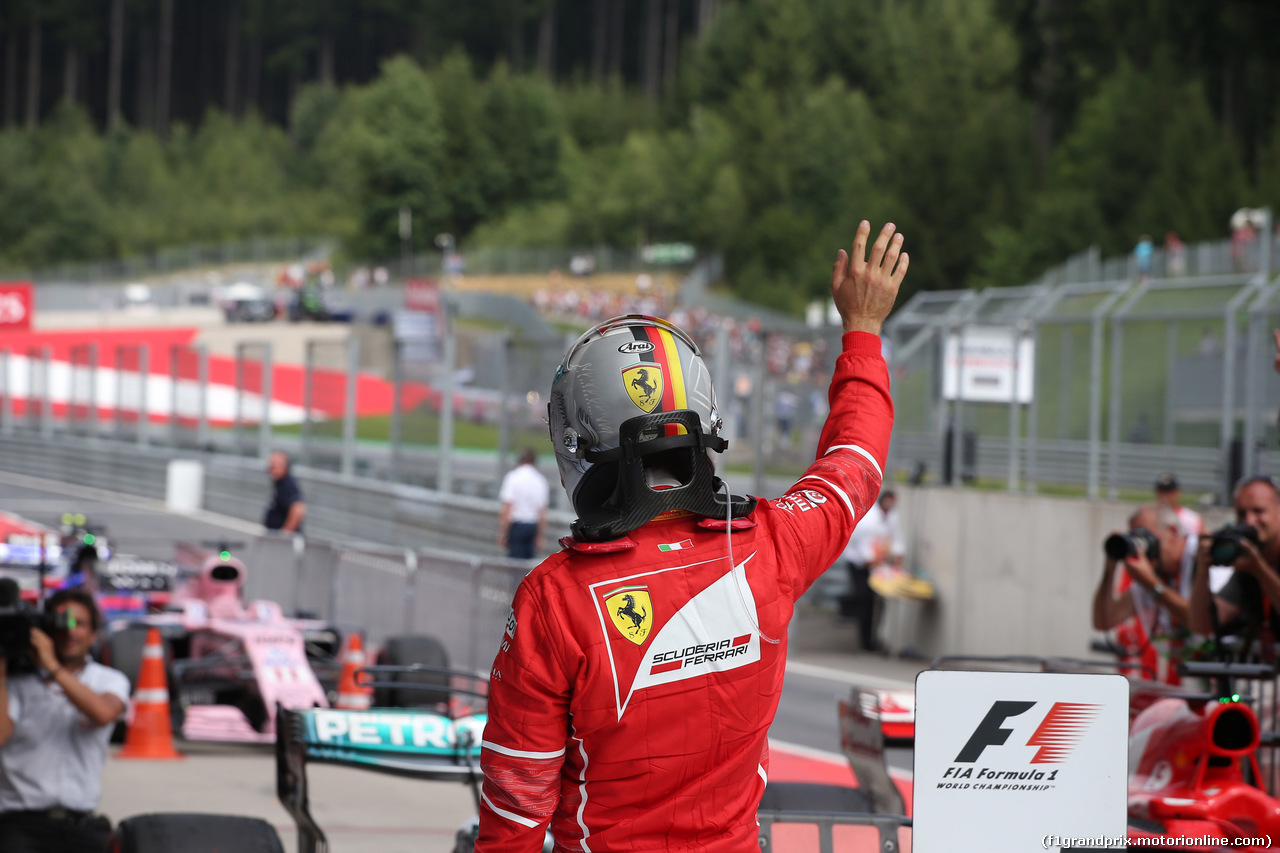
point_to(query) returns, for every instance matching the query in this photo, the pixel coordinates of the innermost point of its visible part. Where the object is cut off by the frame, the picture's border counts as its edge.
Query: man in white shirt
(524, 495)
(877, 540)
(1169, 494)
(55, 725)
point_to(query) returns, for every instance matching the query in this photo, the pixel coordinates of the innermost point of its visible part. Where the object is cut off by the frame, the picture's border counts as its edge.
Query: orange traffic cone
(353, 696)
(151, 734)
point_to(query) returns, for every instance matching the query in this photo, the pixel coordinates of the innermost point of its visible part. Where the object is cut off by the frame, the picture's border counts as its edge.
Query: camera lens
(1224, 552)
(1118, 546)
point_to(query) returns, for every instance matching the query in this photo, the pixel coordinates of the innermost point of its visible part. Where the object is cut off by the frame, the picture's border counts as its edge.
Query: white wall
(1014, 574)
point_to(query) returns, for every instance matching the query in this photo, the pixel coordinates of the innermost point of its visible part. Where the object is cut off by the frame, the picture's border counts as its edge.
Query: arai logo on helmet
(635, 347)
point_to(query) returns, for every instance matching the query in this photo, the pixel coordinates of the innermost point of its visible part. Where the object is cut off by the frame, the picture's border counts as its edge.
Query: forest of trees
(1000, 135)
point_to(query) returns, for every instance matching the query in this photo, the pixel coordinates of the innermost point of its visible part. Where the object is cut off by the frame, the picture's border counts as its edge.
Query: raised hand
(864, 289)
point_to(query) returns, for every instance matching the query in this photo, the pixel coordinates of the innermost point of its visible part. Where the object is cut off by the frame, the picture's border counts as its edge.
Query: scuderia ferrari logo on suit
(711, 632)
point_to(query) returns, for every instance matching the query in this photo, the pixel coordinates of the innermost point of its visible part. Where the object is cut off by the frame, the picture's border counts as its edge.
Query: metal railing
(368, 405)
(460, 599)
(1128, 378)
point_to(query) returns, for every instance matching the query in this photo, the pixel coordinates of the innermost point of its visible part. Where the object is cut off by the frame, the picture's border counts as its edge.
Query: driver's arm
(1110, 610)
(527, 732)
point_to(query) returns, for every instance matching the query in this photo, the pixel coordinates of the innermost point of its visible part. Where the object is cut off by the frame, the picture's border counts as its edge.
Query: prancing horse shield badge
(631, 612)
(644, 385)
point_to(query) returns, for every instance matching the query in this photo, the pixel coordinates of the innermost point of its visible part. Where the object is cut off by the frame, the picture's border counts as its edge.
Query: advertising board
(1017, 761)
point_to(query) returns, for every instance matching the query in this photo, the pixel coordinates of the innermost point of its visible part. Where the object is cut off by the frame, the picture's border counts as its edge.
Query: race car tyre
(404, 651)
(814, 797)
(194, 833)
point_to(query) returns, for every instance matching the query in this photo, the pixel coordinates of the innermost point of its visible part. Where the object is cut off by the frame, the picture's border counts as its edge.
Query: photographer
(1253, 590)
(55, 725)
(1159, 559)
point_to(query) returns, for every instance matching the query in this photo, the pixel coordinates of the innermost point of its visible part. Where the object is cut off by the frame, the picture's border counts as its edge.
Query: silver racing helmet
(633, 421)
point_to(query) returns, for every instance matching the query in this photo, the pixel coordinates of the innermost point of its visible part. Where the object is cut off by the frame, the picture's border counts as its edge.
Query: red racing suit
(634, 689)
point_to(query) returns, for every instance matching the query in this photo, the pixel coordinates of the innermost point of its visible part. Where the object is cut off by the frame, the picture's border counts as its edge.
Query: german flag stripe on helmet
(673, 395)
(670, 358)
(638, 333)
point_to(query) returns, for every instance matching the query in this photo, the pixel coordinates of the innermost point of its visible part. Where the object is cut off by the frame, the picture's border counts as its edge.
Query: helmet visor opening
(674, 464)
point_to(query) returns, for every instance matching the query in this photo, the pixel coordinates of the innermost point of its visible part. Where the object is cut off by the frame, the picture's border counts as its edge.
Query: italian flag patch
(676, 546)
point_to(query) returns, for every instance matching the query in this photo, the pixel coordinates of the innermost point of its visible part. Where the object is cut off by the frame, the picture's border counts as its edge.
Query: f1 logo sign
(15, 305)
(1056, 736)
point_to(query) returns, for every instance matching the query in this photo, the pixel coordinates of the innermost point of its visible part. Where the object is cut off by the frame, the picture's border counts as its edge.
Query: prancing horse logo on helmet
(644, 385)
(631, 612)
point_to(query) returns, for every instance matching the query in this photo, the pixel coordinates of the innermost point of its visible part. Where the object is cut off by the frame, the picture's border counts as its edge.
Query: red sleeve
(826, 503)
(527, 730)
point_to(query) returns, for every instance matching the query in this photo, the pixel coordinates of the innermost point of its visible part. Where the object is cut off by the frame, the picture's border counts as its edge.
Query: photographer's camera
(17, 620)
(1140, 540)
(1227, 544)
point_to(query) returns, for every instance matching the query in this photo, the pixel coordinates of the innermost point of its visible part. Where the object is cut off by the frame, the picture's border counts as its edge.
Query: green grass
(419, 428)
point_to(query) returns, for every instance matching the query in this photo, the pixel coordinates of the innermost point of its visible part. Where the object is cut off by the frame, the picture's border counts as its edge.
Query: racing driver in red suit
(641, 667)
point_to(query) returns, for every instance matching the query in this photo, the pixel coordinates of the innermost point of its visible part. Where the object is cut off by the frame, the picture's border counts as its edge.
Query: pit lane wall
(1013, 573)
(353, 510)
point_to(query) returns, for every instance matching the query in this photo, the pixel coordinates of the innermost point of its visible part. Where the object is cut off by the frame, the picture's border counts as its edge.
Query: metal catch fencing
(461, 599)
(1117, 381)
(82, 415)
(1099, 386)
(132, 393)
(364, 404)
(39, 408)
(188, 398)
(251, 426)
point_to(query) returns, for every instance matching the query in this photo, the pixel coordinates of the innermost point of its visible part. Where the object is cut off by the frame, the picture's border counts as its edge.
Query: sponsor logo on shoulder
(635, 347)
(803, 500)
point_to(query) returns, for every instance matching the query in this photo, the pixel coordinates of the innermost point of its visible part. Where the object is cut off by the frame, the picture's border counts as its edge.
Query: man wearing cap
(1168, 493)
